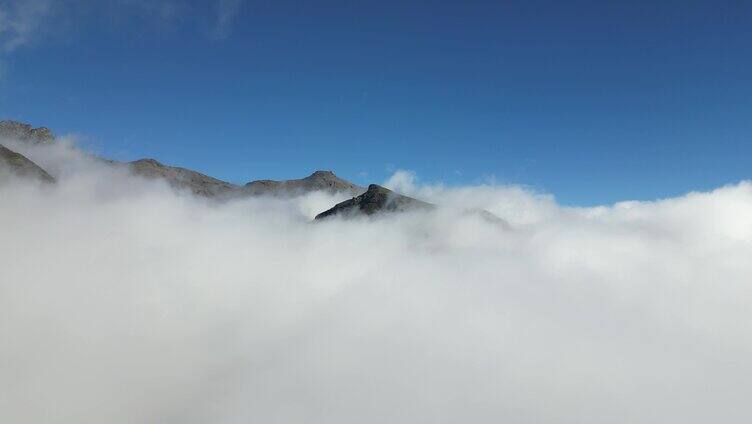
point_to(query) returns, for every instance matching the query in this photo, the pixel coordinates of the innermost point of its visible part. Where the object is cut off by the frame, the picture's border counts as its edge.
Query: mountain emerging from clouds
(184, 179)
(365, 202)
(318, 181)
(138, 292)
(376, 199)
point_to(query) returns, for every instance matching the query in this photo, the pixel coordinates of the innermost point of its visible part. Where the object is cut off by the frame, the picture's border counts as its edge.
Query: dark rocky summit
(25, 132)
(183, 179)
(375, 200)
(378, 200)
(318, 181)
(18, 165)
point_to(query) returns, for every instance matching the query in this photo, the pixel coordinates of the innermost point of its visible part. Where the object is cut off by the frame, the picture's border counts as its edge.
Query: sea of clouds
(122, 301)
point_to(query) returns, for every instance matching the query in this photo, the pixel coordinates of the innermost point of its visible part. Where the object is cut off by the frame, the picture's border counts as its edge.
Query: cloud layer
(122, 301)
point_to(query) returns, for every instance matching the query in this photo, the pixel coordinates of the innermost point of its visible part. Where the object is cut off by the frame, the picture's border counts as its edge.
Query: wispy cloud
(26, 22)
(227, 10)
(168, 12)
(21, 22)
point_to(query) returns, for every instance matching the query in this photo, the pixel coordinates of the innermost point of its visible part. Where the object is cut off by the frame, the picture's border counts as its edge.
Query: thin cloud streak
(227, 10)
(22, 22)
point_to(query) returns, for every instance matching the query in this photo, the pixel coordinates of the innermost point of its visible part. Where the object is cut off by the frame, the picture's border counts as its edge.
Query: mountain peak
(376, 199)
(147, 161)
(322, 174)
(375, 188)
(322, 180)
(25, 132)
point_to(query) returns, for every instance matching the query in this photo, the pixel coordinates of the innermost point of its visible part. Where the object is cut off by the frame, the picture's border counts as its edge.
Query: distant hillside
(206, 186)
(184, 179)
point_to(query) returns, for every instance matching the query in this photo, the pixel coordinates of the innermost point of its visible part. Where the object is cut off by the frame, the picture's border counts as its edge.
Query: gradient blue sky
(592, 101)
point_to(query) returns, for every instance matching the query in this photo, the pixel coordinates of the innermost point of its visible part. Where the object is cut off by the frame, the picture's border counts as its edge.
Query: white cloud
(125, 302)
(403, 181)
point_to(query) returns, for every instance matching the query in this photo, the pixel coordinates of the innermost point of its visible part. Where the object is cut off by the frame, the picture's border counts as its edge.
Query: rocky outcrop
(26, 133)
(376, 199)
(18, 165)
(318, 181)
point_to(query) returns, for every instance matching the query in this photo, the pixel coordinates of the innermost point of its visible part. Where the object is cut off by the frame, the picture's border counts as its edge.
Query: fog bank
(123, 301)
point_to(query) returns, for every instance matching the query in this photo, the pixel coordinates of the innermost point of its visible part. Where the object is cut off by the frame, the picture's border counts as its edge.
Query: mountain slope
(206, 186)
(318, 181)
(184, 179)
(375, 200)
(18, 165)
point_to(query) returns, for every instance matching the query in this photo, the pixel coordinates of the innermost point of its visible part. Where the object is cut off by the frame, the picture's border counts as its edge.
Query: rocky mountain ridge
(25, 132)
(366, 202)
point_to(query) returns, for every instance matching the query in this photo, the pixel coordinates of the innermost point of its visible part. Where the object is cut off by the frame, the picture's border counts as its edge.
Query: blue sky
(592, 101)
